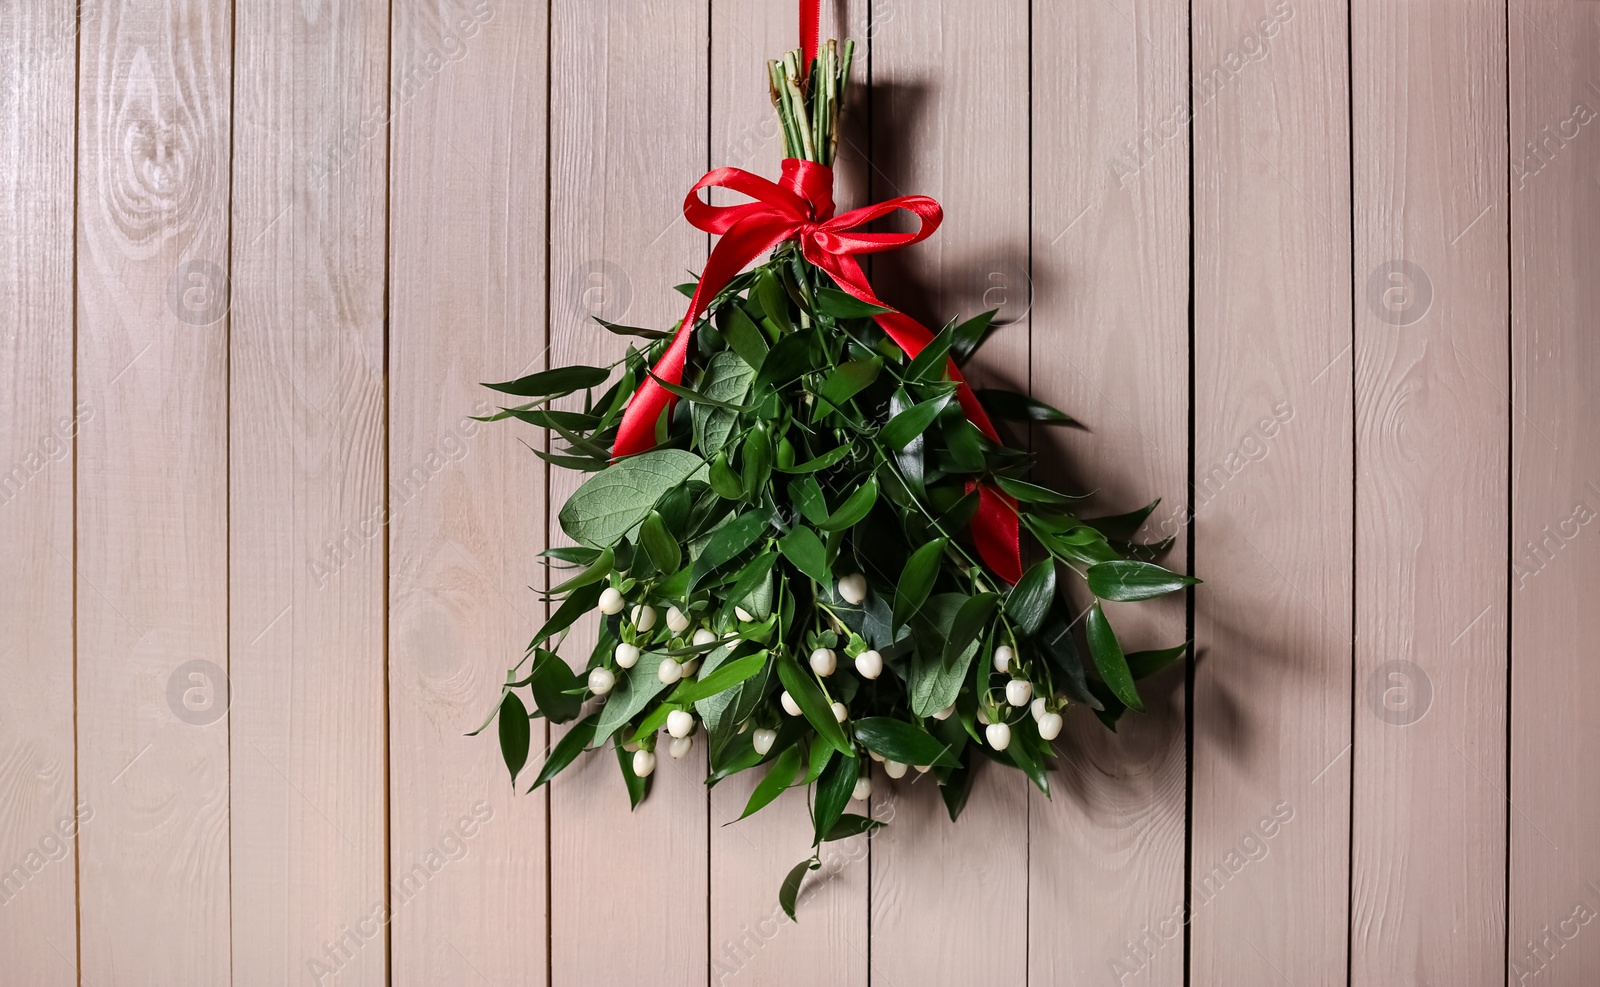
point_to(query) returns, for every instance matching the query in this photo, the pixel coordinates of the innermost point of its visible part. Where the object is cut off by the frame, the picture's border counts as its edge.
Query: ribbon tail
(995, 532)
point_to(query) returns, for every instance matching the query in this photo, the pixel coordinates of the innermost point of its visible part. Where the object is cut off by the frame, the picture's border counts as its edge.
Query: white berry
(610, 601)
(631, 746)
(680, 723)
(763, 739)
(1003, 656)
(863, 788)
(703, 637)
(875, 756)
(869, 664)
(789, 705)
(983, 716)
(679, 747)
(824, 661)
(1037, 708)
(743, 614)
(670, 671)
(944, 714)
(894, 769)
(644, 762)
(1019, 691)
(999, 735)
(853, 588)
(677, 620)
(839, 712)
(601, 680)
(689, 668)
(923, 769)
(1050, 726)
(644, 617)
(627, 655)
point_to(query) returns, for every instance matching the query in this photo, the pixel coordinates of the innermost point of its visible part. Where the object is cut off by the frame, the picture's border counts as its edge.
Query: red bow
(800, 207)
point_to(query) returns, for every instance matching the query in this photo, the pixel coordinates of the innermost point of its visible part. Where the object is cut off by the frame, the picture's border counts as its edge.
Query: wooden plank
(628, 135)
(752, 940)
(1272, 471)
(1555, 300)
(1428, 99)
(466, 500)
(152, 535)
(950, 120)
(306, 475)
(1111, 276)
(39, 817)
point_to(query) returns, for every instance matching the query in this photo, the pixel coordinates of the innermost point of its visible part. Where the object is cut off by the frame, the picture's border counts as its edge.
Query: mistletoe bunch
(788, 573)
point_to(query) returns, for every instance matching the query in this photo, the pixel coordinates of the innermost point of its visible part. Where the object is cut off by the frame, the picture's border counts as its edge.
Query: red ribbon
(800, 207)
(810, 16)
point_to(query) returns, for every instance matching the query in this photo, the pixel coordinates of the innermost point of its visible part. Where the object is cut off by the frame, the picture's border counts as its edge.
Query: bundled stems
(808, 104)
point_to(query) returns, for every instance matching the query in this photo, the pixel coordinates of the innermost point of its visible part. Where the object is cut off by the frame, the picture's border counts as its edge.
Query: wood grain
(38, 816)
(1110, 316)
(950, 119)
(1272, 495)
(752, 940)
(1555, 684)
(466, 499)
(152, 507)
(628, 134)
(1428, 101)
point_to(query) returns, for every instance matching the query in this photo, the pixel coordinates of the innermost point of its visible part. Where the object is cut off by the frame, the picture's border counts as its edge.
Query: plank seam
(227, 453)
(1189, 546)
(1355, 512)
(544, 468)
(1511, 497)
(77, 152)
(388, 541)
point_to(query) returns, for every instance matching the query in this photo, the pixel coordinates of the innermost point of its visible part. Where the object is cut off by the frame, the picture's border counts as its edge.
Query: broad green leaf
(515, 733)
(1129, 579)
(658, 543)
(727, 379)
(725, 676)
(772, 297)
(850, 825)
(813, 703)
(608, 505)
(968, 624)
(963, 441)
(1015, 407)
(635, 688)
(1030, 599)
(1056, 637)
(916, 581)
(805, 550)
(808, 498)
(903, 742)
(790, 889)
(562, 380)
(695, 397)
(849, 380)
(727, 543)
(746, 339)
(724, 480)
(1144, 664)
(1108, 658)
(835, 303)
(833, 794)
(599, 569)
(790, 357)
(752, 586)
(556, 689)
(567, 749)
(637, 787)
(935, 682)
(912, 422)
(778, 778)
(855, 508)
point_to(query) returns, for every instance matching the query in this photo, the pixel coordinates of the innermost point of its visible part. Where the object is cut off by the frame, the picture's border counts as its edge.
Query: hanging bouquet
(803, 532)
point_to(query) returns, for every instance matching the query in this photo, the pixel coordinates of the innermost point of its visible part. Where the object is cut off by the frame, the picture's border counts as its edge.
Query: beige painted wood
(1272, 469)
(1111, 345)
(306, 454)
(466, 499)
(39, 819)
(1555, 688)
(152, 509)
(628, 135)
(1429, 183)
(950, 119)
(752, 940)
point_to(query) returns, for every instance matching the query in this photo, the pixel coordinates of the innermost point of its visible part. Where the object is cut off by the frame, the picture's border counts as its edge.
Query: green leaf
(968, 624)
(622, 330)
(1108, 658)
(969, 335)
(608, 505)
(963, 441)
(726, 676)
(855, 508)
(849, 379)
(813, 704)
(808, 499)
(1129, 579)
(850, 825)
(665, 553)
(1144, 664)
(822, 462)
(778, 779)
(562, 380)
(515, 733)
(1062, 650)
(745, 338)
(752, 587)
(957, 786)
(773, 299)
(790, 357)
(912, 422)
(1122, 527)
(635, 688)
(835, 303)
(1023, 756)
(637, 787)
(695, 397)
(931, 363)
(903, 742)
(1015, 407)
(579, 602)
(935, 681)
(724, 481)
(757, 463)
(727, 543)
(1032, 493)
(557, 692)
(805, 550)
(1030, 599)
(916, 581)
(567, 749)
(790, 889)
(726, 380)
(834, 788)
(599, 569)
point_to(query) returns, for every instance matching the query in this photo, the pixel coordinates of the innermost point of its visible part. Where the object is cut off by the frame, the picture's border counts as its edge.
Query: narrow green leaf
(834, 788)
(1122, 527)
(581, 601)
(790, 357)
(599, 569)
(562, 380)
(778, 778)
(557, 691)
(1144, 664)
(835, 303)
(849, 379)
(727, 543)
(756, 463)
(813, 703)
(622, 330)
(515, 733)
(1130, 579)
(822, 462)
(903, 742)
(726, 676)
(931, 363)
(1029, 600)
(969, 623)
(1015, 407)
(1108, 658)
(773, 299)
(637, 787)
(969, 335)
(850, 825)
(1032, 493)
(724, 480)
(745, 338)
(855, 508)
(912, 422)
(805, 550)
(790, 889)
(665, 553)
(916, 581)
(567, 749)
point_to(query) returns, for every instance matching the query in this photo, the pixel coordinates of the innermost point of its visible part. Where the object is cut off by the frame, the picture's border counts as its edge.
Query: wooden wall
(1321, 276)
